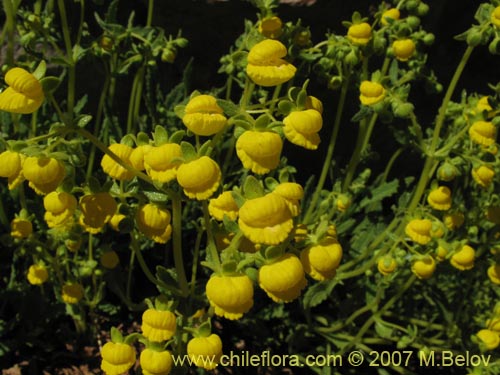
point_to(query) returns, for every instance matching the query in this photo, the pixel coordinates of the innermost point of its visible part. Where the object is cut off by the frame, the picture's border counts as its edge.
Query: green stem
(177, 243)
(129, 276)
(10, 25)
(390, 163)
(212, 249)
(70, 60)
(149, 19)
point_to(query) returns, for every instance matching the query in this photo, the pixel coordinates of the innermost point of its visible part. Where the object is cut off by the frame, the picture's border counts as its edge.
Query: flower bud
(447, 171)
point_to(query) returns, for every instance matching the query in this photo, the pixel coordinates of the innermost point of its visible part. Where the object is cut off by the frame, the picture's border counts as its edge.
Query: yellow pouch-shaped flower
(231, 296)
(494, 273)
(160, 162)
(371, 92)
(112, 168)
(419, 230)
(483, 175)
(137, 156)
(392, 13)
(37, 274)
(154, 222)
(440, 198)
(97, 209)
(224, 204)
(25, 94)
(292, 193)
(386, 265)
(360, 33)
(490, 339)
(203, 116)
(44, 174)
(205, 352)
(495, 17)
(302, 127)
(403, 49)
(321, 261)
(271, 27)
(199, 178)
(259, 151)
(59, 208)
(72, 293)
(424, 268)
(156, 363)
(158, 325)
(20, 228)
(11, 166)
(463, 259)
(117, 358)
(483, 133)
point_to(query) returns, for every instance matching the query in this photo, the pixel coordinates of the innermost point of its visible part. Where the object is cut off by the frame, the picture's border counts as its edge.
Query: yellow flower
(156, 363)
(199, 178)
(314, 103)
(302, 127)
(137, 156)
(205, 352)
(230, 296)
(453, 220)
(112, 168)
(494, 273)
(25, 94)
(490, 339)
(44, 174)
(154, 222)
(117, 358)
(292, 193)
(115, 221)
(110, 259)
(20, 228)
(441, 253)
(440, 198)
(59, 208)
(37, 274)
(483, 105)
(259, 151)
(371, 92)
(266, 219)
(424, 268)
(158, 325)
(266, 66)
(403, 49)
(203, 116)
(483, 133)
(386, 265)
(392, 13)
(160, 162)
(343, 202)
(360, 33)
(72, 293)
(284, 279)
(11, 166)
(483, 175)
(495, 17)
(320, 261)
(271, 27)
(438, 229)
(419, 230)
(97, 209)
(464, 258)
(223, 205)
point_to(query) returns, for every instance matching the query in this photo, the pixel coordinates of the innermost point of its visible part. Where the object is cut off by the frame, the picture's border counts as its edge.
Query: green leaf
(180, 110)
(188, 151)
(94, 185)
(273, 252)
(156, 196)
(78, 52)
(50, 84)
(262, 121)
(116, 335)
(142, 139)
(83, 120)
(205, 148)
(377, 194)
(318, 293)
(177, 136)
(229, 107)
(229, 267)
(167, 276)
(160, 136)
(383, 330)
(252, 188)
(285, 107)
(40, 70)
(393, 71)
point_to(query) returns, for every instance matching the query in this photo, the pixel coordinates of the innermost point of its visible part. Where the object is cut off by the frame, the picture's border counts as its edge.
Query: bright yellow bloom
(440, 198)
(230, 296)
(160, 162)
(495, 17)
(419, 230)
(271, 27)
(392, 13)
(110, 259)
(403, 49)
(223, 205)
(266, 66)
(72, 293)
(360, 33)
(137, 156)
(11, 166)
(292, 193)
(44, 174)
(483, 175)
(154, 222)
(259, 151)
(199, 178)
(494, 273)
(205, 352)
(59, 208)
(266, 219)
(320, 261)
(314, 103)
(483, 133)
(115, 221)
(158, 325)
(483, 105)
(441, 253)
(386, 265)
(97, 209)
(453, 220)
(371, 92)
(37, 274)
(112, 168)
(156, 363)
(203, 116)
(25, 94)
(302, 127)
(117, 358)
(490, 339)
(464, 258)
(494, 324)
(424, 268)
(20, 228)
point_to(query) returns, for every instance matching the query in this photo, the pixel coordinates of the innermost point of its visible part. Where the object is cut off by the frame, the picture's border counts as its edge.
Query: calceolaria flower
(453, 220)
(137, 156)
(20, 228)
(160, 162)
(155, 362)
(266, 66)
(117, 358)
(483, 104)
(320, 261)
(158, 325)
(360, 33)
(115, 221)
(231, 296)
(96, 210)
(199, 178)
(11, 165)
(392, 13)
(464, 258)
(112, 168)
(371, 92)
(483, 175)
(314, 103)
(72, 293)
(292, 193)
(24, 94)
(109, 259)
(489, 339)
(205, 352)
(37, 274)
(424, 267)
(302, 127)
(154, 222)
(223, 205)
(59, 208)
(259, 151)
(495, 17)
(283, 279)
(440, 198)
(271, 27)
(266, 219)
(494, 273)
(483, 133)
(386, 265)
(403, 49)
(43, 173)
(419, 230)
(203, 116)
